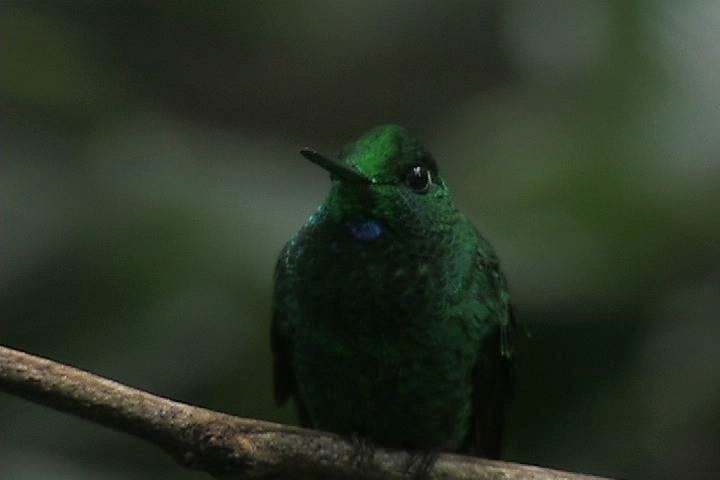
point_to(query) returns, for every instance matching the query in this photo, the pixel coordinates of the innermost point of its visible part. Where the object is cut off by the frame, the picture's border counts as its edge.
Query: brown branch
(227, 446)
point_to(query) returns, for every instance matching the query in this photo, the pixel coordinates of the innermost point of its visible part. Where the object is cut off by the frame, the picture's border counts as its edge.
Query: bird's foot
(420, 464)
(363, 452)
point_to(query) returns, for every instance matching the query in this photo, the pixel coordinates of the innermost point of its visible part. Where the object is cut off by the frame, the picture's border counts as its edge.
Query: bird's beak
(336, 168)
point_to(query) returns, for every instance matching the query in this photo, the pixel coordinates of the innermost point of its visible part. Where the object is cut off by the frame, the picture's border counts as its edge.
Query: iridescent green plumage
(391, 317)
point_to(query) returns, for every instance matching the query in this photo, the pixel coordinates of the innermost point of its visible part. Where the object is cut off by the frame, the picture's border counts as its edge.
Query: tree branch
(227, 446)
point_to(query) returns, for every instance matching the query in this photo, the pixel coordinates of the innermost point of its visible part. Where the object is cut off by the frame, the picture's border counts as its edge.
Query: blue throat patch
(365, 231)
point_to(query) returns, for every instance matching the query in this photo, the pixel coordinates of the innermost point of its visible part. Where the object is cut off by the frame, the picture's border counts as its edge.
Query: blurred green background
(149, 176)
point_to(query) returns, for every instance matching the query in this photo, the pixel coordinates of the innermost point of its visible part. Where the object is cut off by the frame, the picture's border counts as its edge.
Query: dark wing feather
(280, 342)
(493, 376)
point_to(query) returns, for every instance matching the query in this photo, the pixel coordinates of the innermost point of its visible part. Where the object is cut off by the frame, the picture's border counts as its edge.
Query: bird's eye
(419, 179)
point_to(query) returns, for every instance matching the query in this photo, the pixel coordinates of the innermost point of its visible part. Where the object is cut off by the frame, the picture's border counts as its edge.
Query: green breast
(386, 335)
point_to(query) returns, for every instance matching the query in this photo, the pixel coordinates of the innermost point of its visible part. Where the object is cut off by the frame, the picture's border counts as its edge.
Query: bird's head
(385, 181)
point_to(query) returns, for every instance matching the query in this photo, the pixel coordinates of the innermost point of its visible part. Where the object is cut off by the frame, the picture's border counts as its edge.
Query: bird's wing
(281, 340)
(494, 370)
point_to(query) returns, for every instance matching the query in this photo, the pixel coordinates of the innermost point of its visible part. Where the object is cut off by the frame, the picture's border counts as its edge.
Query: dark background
(149, 176)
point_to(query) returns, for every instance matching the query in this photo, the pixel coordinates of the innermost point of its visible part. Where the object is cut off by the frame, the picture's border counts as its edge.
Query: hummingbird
(391, 318)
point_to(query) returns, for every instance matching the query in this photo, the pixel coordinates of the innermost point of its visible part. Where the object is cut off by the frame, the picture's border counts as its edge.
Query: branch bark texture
(226, 446)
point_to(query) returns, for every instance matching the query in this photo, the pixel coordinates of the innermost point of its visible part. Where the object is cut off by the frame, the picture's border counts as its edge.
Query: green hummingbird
(391, 318)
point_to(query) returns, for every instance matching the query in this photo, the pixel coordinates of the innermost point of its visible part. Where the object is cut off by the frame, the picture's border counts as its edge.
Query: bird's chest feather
(364, 286)
(384, 338)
